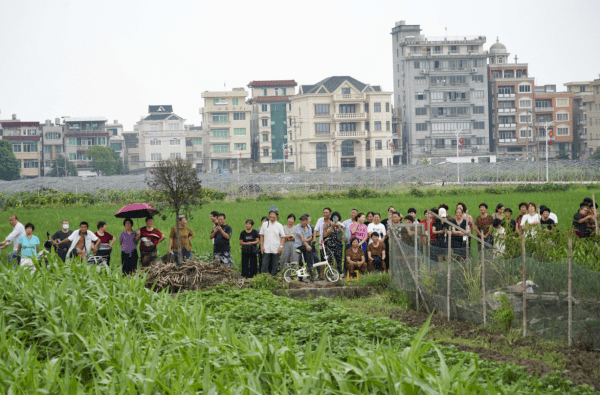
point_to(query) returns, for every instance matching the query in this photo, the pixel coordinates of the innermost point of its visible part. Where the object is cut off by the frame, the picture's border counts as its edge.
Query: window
(283, 91)
(377, 107)
(377, 125)
(421, 127)
(562, 131)
(174, 155)
(347, 148)
(477, 94)
(542, 103)
(478, 125)
(239, 146)
(345, 91)
(439, 143)
(72, 141)
(480, 140)
(453, 143)
(348, 127)
(264, 122)
(477, 78)
(420, 96)
(264, 107)
(562, 102)
(525, 88)
(239, 116)
(197, 141)
(221, 148)
(29, 132)
(16, 147)
(453, 49)
(276, 91)
(378, 162)
(321, 109)
(155, 142)
(265, 137)
(52, 135)
(505, 90)
(198, 154)
(387, 107)
(347, 108)
(47, 149)
(263, 92)
(378, 145)
(219, 117)
(173, 126)
(265, 152)
(500, 59)
(72, 156)
(450, 127)
(175, 142)
(495, 74)
(524, 118)
(421, 110)
(101, 140)
(235, 101)
(368, 145)
(239, 131)
(219, 102)
(321, 155)
(525, 103)
(30, 163)
(322, 128)
(367, 108)
(219, 133)
(420, 80)
(368, 162)
(156, 156)
(116, 146)
(387, 125)
(59, 149)
(478, 110)
(29, 146)
(563, 116)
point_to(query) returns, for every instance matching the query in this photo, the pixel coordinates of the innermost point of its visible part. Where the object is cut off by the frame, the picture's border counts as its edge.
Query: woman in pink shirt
(359, 230)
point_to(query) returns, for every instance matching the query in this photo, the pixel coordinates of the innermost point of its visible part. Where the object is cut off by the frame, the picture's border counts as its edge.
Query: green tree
(10, 166)
(596, 154)
(61, 167)
(105, 160)
(562, 154)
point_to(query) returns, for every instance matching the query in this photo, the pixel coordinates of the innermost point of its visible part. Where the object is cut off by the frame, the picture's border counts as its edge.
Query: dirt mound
(190, 275)
(582, 366)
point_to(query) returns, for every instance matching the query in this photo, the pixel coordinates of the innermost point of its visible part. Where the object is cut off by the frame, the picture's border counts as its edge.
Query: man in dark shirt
(508, 222)
(579, 220)
(60, 235)
(221, 235)
(546, 222)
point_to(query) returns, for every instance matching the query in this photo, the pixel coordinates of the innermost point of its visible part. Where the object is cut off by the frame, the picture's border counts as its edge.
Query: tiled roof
(22, 138)
(332, 83)
(19, 124)
(272, 83)
(263, 99)
(156, 117)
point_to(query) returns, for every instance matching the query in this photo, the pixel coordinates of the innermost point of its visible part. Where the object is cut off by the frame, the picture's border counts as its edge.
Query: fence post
(429, 243)
(483, 280)
(416, 268)
(449, 273)
(570, 335)
(595, 212)
(524, 282)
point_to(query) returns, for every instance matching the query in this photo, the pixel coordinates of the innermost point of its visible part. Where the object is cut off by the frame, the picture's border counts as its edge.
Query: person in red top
(428, 221)
(149, 237)
(523, 208)
(106, 241)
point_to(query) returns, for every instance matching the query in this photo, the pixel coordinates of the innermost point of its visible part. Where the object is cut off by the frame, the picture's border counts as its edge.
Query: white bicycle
(293, 272)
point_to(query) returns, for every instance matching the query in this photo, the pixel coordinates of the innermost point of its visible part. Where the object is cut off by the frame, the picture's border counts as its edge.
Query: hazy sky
(114, 58)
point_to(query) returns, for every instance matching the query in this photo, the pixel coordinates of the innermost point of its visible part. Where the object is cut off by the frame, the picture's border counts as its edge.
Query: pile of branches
(190, 275)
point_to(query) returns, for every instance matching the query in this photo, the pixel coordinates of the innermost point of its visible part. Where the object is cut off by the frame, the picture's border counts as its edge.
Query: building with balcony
(161, 136)
(226, 129)
(593, 117)
(584, 108)
(511, 98)
(115, 137)
(81, 133)
(193, 146)
(25, 138)
(555, 107)
(271, 123)
(341, 122)
(131, 151)
(53, 144)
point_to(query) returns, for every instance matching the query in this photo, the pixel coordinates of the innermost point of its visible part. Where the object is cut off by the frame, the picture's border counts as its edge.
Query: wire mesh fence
(560, 300)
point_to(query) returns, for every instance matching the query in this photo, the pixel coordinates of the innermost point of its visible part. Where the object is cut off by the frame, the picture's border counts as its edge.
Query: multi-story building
(555, 107)
(25, 139)
(115, 137)
(53, 142)
(583, 104)
(131, 151)
(341, 123)
(511, 98)
(193, 145)
(161, 136)
(270, 122)
(440, 89)
(593, 117)
(226, 126)
(81, 133)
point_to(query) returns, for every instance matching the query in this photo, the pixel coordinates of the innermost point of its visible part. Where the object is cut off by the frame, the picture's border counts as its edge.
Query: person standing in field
(106, 241)
(289, 229)
(82, 242)
(150, 237)
(580, 220)
(523, 210)
(386, 222)
(428, 223)
(62, 234)
(186, 235)
(499, 214)
(28, 246)
(302, 238)
(128, 241)
(355, 257)
(272, 237)
(369, 218)
(546, 222)
(531, 219)
(249, 239)
(13, 238)
(376, 254)
(457, 241)
(214, 219)
(361, 232)
(321, 224)
(440, 247)
(333, 234)
(222, 234)
(510, 223)
(483, 225)
(377, 226)
(347, 224)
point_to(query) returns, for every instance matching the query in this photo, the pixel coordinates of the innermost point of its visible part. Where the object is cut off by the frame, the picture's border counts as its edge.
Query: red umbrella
(136, 210)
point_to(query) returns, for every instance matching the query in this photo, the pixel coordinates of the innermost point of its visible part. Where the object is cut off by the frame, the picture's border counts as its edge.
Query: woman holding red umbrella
(149, 237)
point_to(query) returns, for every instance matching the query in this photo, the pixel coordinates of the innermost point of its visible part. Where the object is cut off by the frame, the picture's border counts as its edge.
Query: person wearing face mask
(60, 235)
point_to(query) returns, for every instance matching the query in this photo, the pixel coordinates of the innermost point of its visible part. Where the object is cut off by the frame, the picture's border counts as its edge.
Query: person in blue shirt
(29, 244)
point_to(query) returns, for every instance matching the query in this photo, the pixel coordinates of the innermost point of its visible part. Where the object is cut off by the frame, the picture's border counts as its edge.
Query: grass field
(564, 204)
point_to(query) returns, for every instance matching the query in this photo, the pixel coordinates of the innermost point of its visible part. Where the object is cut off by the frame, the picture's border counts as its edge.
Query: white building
(161, 136)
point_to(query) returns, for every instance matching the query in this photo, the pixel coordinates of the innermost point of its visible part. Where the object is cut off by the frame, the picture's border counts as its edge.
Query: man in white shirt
(272, 238)
(347, 224)
(377, 226)
(319, 228)
(13, 237)
(81, 242)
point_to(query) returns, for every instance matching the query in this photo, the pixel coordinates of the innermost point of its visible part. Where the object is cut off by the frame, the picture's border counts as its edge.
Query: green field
(564, 203)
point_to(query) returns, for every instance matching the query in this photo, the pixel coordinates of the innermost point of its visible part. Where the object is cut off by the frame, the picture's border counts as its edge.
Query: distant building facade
(82, 133)
(584, 108)
(161, 136)
(555, 107)
(25, 138)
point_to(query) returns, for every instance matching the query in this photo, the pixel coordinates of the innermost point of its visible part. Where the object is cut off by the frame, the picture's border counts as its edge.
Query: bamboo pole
(449, 274)
(466, 232)
(416, 265)
(595, 213)
(524, 282)
(483, 283)
(570, 334)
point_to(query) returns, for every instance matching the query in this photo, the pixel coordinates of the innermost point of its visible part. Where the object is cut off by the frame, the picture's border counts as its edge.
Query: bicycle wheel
(332, 275)
(290, 274)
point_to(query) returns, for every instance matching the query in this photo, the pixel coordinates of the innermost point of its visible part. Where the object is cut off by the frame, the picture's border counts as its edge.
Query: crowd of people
(359, 243)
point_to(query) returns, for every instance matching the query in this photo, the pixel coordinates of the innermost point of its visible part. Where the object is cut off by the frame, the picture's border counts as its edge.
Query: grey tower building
(440, 88)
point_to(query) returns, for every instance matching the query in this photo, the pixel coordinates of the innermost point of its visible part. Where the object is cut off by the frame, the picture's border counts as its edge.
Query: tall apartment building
(53, 142)
(161, 136)
(583, 106)
(81, 133)
(271, 125)
(226, 127)
(440, 88)
(511, 97)
(593, 117)
(193, 145)
(341, 123)
(551, 105)
(25, 140)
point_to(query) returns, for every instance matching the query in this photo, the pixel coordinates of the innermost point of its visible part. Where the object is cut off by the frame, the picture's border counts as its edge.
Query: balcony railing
(507, 110)
(359, 96)
(582, 121)
(507, 141)
(544, 109)
(220, 122)
(507, 125)
(220, 153)
(507, 95)
(354, 133)
(543, 123)
(582, 108)
(354, 115)
(451, 116)
(220, 137)
(450, 84)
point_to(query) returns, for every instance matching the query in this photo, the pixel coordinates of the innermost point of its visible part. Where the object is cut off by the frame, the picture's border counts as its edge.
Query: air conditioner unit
(422, 71)
(474, 70)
